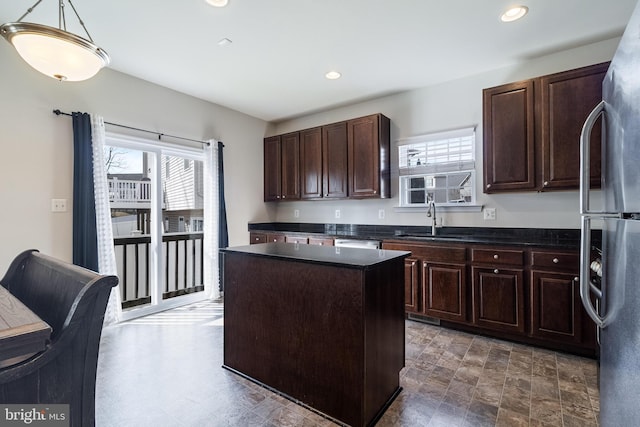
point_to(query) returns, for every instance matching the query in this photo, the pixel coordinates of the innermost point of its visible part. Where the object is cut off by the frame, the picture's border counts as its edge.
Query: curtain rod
(160, 135)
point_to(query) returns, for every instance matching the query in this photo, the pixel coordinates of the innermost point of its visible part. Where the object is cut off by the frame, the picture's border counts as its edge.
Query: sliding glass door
(157, 210)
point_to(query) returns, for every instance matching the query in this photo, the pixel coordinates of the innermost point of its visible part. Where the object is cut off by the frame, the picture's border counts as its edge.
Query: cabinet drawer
(432, 253)
(555, 260)
(296, 239)
(257, 238)
(497, 256)
(274, 238)
(321, 241)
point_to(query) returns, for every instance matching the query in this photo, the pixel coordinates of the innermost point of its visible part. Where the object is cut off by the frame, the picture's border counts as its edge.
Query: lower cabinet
(518, 293)
(444, 291)
(411, 285)
(556, 306)
(498, 299)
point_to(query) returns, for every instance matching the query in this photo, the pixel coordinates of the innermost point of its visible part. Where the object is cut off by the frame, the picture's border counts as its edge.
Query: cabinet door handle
(556, 260)
(496, 256)
(488, 185)
(496, 271)
(576, 279)
(546, 183)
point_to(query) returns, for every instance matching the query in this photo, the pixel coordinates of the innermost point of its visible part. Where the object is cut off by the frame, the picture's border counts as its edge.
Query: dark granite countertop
(535, 237)
(345, 257)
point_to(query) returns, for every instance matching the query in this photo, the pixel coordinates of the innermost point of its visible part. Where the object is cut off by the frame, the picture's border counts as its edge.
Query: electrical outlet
(337, 213)
(58, 205)
(489, 214)
(296, 213)
(380, 213)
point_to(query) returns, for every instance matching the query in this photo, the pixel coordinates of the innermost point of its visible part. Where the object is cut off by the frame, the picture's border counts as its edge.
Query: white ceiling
(274, 68)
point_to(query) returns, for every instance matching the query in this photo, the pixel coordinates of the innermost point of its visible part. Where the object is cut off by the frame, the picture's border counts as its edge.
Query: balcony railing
(182, 273)
(127, 191)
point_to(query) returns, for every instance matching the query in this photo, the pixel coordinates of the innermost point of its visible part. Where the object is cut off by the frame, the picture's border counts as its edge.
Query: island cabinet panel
(330, 336)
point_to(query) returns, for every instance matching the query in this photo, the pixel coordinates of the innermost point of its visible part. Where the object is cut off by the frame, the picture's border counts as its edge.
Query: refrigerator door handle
(585, 274)
(585, 157)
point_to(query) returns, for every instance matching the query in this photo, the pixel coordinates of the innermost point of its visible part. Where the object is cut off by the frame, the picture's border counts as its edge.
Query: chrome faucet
(431, 213)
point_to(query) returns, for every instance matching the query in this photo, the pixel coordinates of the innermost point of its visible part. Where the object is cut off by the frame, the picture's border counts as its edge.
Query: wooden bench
(72, 300)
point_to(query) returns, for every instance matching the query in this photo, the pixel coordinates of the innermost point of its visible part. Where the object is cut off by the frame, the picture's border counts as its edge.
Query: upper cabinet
(282, 167)
(323, 160)
(348, 159)
(369, 165)
(532, 131)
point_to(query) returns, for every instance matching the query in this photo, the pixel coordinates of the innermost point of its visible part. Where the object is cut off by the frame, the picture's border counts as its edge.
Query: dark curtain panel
(85, 239)
(223, 233)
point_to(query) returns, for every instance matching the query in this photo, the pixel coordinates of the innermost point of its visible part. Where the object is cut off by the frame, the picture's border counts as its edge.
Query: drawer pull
(496, 271)
(556, 260)
(321, 243)
(496, 256)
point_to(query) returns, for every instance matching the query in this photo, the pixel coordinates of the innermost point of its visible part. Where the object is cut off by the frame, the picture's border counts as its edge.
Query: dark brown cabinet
(498, 299)
(323, 161)
(272, 169)
(498, 289)
(265, 237)
(369, 167)
(556, 309)
(411, 284)
(282, 167)
(567, 99)
(435, 280)
(509, 144)
(444, 291)
(532, 130)
(347, 159)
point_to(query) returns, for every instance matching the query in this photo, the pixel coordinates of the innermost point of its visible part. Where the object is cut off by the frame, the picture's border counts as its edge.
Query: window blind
(438, 152)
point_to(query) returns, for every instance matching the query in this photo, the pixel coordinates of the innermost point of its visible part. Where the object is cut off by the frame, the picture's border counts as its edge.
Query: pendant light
(55, 51)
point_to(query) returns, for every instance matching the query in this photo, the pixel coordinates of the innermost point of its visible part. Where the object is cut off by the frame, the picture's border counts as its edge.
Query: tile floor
(165, 370)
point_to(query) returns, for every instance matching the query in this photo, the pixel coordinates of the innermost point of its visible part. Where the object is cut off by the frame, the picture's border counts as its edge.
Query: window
(438, 167)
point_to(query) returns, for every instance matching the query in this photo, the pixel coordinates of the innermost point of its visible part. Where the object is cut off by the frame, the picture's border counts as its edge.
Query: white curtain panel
(106, 252)
(211, 208)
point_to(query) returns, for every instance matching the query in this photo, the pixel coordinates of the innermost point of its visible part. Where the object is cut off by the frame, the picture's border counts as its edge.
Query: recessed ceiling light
(218, 3)
(332, 75)
(224, 42)
(514, 13)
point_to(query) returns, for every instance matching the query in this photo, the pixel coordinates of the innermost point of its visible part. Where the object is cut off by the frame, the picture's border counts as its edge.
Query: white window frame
(433, 155)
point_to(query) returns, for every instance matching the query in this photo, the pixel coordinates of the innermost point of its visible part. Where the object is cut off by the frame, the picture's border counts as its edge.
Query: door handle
(585, 273)
(585, 156)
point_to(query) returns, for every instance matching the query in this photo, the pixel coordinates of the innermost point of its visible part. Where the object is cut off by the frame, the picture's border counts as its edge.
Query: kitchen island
(323, 326)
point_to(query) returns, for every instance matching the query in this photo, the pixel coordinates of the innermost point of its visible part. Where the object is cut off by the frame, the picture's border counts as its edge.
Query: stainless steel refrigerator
(614, 303)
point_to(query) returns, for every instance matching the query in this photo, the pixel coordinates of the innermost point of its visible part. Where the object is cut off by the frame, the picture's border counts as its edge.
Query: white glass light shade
(56, 53)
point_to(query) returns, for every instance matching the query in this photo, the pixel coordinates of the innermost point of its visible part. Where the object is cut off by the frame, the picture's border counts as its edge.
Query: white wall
(36, 148)
(450, 105)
